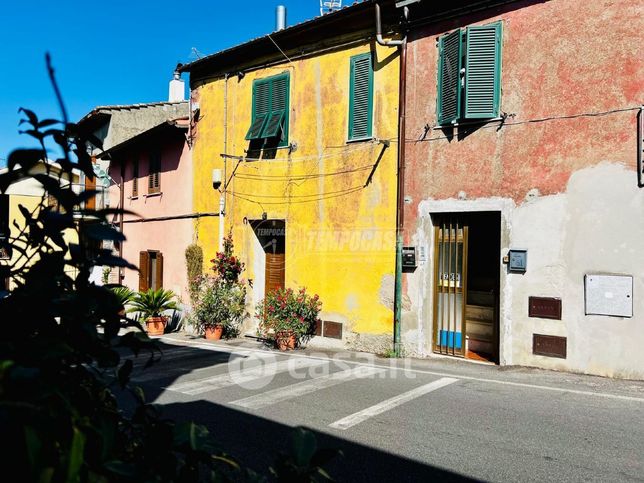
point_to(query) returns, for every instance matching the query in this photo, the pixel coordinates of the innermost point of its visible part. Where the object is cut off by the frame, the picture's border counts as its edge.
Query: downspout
(400, 190)
(222, 195)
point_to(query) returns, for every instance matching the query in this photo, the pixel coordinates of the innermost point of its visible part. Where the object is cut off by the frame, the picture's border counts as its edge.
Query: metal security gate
(450, 287)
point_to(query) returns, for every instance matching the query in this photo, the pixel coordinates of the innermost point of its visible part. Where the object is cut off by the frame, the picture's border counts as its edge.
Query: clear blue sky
(114, 52)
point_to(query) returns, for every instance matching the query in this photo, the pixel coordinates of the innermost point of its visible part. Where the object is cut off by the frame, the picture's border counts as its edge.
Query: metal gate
(450, 287)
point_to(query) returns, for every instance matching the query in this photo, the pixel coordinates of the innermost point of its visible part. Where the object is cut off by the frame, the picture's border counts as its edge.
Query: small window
(154, 177)
(361, 97)
(150, 270)
(135, 177)
(270, 115)
(469, 74)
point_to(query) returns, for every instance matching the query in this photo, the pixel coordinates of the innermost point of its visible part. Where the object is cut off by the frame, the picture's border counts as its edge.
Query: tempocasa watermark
(257, 370)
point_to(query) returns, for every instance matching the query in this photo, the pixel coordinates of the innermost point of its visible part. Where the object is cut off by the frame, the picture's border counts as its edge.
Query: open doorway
(466, 284)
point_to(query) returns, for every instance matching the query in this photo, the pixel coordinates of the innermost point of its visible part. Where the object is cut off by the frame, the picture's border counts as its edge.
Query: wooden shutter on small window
(483, 71)
(144, 260)
(135, 177)
(154, 177)
(448, 105)
(159, 277)
(361, 97)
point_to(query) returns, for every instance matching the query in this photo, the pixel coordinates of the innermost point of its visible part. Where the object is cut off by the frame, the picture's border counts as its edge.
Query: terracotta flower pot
(155, 325)
(214, 332)
(285, 340)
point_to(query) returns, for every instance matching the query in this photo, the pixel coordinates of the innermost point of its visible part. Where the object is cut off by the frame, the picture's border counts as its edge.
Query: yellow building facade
(318, 199)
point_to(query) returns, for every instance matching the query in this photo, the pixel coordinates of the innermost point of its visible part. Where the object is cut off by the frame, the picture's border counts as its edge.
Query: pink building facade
(156, 173)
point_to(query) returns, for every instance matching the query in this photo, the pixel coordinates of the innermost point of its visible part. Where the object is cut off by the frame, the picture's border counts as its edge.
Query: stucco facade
(558, 168)
(160, 221)
(335, 198)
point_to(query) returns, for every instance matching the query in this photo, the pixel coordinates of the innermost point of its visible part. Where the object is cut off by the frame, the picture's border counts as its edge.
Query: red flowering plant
(226, 266)
(284, 311)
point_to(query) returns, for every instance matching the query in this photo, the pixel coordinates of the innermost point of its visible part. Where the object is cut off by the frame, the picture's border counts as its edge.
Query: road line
(446, 374)
(246, 375)
(296, 390)
(391, 403)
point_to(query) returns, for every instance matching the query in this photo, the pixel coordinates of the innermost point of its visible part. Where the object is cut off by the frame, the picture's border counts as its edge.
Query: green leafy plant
(153, 303)
(194, 267)
(219, 303)
(287, 311)
(105, 275)
(124, 295)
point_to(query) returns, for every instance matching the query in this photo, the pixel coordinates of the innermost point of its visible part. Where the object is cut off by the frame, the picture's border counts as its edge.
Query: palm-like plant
(124, 295)
(152, 303)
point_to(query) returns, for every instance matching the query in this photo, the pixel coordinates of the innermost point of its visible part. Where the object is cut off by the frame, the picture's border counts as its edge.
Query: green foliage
(194, 266)
(105, 275)
(305, 461)
(61, 352)
(219, 303)
(285, 310)
(124, 295)
(153, 303)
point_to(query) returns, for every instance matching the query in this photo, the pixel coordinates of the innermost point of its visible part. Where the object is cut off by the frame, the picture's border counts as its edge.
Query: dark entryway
(466, 284)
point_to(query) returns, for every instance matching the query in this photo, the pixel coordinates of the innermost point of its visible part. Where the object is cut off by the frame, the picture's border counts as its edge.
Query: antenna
(327, 6)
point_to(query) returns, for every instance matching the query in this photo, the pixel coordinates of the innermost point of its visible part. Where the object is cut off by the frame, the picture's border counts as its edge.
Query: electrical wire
(303, 177)
(299, 196)
(289, 202)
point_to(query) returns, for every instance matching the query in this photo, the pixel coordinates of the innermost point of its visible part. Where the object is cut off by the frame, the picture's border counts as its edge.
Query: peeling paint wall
(339, 233)
(560, 170)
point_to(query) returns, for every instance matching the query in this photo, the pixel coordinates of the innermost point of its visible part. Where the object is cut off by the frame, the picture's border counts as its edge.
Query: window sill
(152, 195)
(133, 197)
(360, 140)
(468, 123)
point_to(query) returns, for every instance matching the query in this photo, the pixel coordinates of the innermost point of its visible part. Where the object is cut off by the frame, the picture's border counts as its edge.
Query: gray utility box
(609, 295)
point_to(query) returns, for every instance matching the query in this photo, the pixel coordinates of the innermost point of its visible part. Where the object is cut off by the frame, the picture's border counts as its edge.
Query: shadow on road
(256, 441)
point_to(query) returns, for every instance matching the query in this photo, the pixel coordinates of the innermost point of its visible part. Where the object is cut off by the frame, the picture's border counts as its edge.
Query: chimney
(177, 89)
(280, 18)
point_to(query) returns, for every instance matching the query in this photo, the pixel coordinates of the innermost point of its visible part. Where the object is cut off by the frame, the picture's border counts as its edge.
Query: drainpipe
(400, 191)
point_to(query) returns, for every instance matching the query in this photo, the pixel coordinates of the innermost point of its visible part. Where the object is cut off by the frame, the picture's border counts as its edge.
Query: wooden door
(275, 269)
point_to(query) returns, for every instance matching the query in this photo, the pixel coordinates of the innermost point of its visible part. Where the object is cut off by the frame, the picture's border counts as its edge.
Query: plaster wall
(560, 169)
(339, 233)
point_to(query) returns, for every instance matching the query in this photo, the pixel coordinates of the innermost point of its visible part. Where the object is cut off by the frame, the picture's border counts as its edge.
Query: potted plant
(151, 305)
(287, 317)
(220, 307)
(124, 296)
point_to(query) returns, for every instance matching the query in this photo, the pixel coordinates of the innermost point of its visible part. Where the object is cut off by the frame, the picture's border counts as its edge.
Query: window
(361, 97)
(270, 109)
(135, 177)
(90, 185)
(150, 270)
(154, 181)
(469, 74)
(5, 248)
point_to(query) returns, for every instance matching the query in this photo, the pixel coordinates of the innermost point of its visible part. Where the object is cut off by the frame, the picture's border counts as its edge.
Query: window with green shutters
(270, 109)
(469, 74)
(361, 97)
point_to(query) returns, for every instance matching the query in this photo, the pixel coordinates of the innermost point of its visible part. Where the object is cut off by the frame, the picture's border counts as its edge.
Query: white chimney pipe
(280, 18)
(177, 92)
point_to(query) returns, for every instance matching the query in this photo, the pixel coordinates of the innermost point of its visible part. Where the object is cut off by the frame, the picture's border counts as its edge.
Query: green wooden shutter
(448, 105)
(277, 123)
(261, 108)
(483, 71)
(361, 97)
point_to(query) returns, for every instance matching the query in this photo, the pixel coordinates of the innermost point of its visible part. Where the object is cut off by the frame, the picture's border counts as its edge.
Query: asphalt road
(404, 420)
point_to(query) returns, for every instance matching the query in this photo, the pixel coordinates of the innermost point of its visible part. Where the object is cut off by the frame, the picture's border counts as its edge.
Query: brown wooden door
(275, 269)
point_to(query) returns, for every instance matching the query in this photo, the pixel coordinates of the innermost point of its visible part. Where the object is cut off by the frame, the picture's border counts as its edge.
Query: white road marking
(391, 403)
(296, 390)
(441, 374)
(245, 375)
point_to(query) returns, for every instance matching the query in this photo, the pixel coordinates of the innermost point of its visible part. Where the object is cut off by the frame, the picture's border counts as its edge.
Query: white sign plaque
(609, 295)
